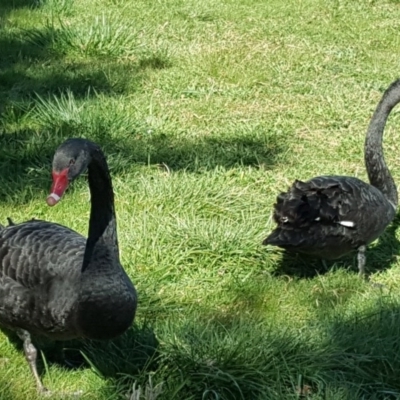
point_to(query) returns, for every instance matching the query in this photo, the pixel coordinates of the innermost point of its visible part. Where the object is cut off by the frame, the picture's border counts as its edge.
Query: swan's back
(329, 216)
(40, 267)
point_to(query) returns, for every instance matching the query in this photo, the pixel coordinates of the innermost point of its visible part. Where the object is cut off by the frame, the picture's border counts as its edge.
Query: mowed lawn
(206, 111)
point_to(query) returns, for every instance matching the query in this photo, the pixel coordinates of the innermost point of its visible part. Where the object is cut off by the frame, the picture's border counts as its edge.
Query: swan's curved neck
(378, 172)
(102, 224)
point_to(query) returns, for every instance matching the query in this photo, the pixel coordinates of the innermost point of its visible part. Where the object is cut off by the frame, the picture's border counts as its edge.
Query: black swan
(55, 283)
(329, 216)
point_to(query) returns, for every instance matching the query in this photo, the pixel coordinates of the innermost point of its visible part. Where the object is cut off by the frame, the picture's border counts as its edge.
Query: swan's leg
(361, 260)
(31, 356)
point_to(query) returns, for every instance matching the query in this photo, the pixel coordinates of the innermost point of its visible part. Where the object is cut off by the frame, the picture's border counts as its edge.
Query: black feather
(329, 216)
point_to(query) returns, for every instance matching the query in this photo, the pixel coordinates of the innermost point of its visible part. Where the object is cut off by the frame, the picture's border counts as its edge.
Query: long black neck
(102, 223)
(378, 172)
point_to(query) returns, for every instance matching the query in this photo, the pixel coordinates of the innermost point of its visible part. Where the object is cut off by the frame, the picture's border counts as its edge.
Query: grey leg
(31, 356)
(361, 260)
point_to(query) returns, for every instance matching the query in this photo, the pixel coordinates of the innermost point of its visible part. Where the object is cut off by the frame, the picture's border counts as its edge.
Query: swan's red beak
(60, 184)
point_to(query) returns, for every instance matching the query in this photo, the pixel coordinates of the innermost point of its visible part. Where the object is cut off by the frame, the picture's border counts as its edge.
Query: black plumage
(56, 283)
(330, 216)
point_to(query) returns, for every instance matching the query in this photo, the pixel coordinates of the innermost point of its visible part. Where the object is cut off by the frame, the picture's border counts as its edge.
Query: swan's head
(70, 160)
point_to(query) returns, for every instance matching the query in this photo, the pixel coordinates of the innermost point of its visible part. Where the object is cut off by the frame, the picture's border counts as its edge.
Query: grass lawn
(206, 110)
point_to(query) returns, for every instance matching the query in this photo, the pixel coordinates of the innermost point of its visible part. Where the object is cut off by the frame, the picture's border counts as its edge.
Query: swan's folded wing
(40, 266)
(329, 215)
(15, 301)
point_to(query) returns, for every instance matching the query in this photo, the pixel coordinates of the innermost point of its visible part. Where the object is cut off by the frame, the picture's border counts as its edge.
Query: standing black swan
(54, 282)
(329, 216)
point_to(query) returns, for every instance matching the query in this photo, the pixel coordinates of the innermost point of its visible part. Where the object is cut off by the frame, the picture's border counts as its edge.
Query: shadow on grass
(379, 258)
(253, 148)
(369, 342)
(207, 356)
(26, 155)
(27, 69)
(130, 354)
(7, 6)
(233, 358)
(33, 60)
(25, 165)
(205, 353)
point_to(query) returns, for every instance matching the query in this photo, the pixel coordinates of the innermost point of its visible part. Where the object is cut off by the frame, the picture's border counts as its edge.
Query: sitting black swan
(55, 283)
(329, 216)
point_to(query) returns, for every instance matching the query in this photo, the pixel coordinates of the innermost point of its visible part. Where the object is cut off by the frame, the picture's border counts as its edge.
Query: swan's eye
(71, 161)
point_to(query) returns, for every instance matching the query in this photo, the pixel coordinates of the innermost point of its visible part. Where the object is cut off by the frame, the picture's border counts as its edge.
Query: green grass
(206, 110)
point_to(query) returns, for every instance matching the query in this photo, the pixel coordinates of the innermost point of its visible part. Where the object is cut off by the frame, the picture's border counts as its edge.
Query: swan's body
(330, 216)
(326, 216)
(53, 281)
(42, 286)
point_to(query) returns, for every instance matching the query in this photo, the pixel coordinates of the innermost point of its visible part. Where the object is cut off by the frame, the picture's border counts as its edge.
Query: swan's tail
(10, 221)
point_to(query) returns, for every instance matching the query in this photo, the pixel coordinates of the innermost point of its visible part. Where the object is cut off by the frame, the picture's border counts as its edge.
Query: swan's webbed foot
(31, 356)
(361, 257)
